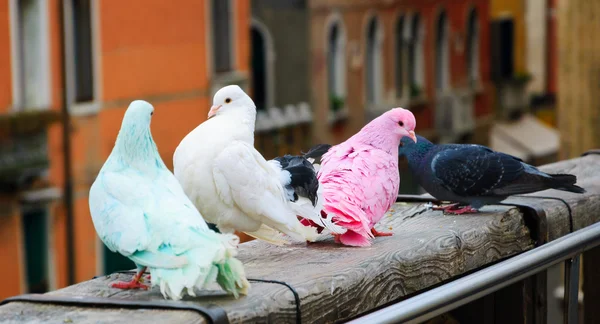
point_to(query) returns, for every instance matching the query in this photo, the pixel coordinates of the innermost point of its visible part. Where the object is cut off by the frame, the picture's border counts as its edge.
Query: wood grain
(336, 282)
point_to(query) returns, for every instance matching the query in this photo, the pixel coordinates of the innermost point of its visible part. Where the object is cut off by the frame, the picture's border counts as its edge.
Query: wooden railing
(334, 283)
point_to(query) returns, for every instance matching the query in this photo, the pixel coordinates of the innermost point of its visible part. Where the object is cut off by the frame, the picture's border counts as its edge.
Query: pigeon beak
(213, 111)
(413, 136)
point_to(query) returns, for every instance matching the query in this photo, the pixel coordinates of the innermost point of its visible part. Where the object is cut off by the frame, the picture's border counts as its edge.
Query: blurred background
(521, 76)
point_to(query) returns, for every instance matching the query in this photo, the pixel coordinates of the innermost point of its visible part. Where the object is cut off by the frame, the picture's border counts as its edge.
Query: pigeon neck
(418, 153)
(136, 148)
(244, 117)
(373, 135)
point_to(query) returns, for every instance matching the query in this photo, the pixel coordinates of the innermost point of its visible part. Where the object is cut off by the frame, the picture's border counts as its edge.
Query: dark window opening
(332, 80)
(399, 56)
(441, 52)
(502, 41)
(259, 69)
(371, 58)
(221, 35)
(472, 56)
(415, 40)
(35, 232)
(84, 74)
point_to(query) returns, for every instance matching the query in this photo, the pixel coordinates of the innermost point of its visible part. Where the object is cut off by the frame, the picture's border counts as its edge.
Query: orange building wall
(152, 47)
(5, 59)
(355, 17)
(149, 49)
(11, 273)
(12, 270)
(242, 44)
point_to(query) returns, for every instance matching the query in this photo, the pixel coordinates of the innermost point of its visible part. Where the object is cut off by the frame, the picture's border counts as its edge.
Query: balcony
(23, 148)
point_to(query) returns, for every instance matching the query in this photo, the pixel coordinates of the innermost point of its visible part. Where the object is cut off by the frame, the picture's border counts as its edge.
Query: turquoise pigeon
(140, 211)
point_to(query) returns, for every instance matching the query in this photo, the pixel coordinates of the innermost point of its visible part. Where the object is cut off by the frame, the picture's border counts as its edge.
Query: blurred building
(90, 61)
(355, 59)
(523, 52)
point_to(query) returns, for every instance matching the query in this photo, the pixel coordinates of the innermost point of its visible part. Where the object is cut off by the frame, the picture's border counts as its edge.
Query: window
(472, 53)
(442, 63)
(502, 39)
(31, 74)
(82, 32)
(35, 234)
(399, 56)
(262, 60)
(259, 65)
(373, 62)
(336, 66)
(221, 35)
(415, 57)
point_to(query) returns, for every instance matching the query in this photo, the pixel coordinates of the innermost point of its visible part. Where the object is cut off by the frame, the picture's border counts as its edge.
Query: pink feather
(360, 176)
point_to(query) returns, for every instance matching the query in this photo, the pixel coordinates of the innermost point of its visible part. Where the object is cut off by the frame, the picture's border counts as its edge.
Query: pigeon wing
(474, 170)
(244, 179)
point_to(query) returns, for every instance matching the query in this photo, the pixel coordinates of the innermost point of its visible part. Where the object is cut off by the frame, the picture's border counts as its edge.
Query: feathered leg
(134, 283)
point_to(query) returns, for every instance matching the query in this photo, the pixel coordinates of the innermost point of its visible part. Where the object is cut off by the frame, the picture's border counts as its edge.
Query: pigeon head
(385, 131)
(231, 100)
(401, 122)
(139, 113)
(414, 151)
(134, 143)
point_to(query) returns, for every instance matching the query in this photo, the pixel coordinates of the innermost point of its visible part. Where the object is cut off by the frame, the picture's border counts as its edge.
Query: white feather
(228, 180)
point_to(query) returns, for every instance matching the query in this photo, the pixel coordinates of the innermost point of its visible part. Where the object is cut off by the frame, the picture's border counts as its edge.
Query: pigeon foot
(446, 208)
(129, 285)
(376, 233)
(463, 210)
(134, 283)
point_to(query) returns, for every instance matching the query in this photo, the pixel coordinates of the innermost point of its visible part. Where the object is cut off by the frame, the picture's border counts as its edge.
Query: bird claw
(376, 233)
(133, 284)
(445, 208)
(463, 210)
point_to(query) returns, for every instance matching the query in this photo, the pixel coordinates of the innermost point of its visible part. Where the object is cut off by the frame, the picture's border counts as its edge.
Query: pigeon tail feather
(211, 261)
(270, 235)
(317, 151)
(565, 182)
(304, 209)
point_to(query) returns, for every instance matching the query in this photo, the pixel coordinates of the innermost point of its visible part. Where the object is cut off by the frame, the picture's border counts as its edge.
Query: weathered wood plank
(52, 314)
(336, 282)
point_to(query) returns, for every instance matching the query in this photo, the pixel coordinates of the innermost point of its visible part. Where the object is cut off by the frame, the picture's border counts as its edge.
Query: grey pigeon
(473, 176)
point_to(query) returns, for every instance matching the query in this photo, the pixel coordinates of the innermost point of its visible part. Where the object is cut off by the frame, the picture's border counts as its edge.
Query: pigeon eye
(401, 123)
(152, 113)
(228, 100)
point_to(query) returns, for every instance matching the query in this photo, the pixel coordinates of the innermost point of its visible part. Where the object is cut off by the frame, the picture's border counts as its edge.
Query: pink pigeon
(360, 176)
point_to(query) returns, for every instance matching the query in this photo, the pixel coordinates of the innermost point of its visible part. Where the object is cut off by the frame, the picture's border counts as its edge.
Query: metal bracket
(535, 219)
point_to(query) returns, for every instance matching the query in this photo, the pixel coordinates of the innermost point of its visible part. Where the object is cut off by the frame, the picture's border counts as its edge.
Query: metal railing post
(572, 290)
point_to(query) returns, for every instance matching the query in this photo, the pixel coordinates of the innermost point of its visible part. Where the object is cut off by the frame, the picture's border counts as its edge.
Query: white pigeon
(232, 184)
(140, 211)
